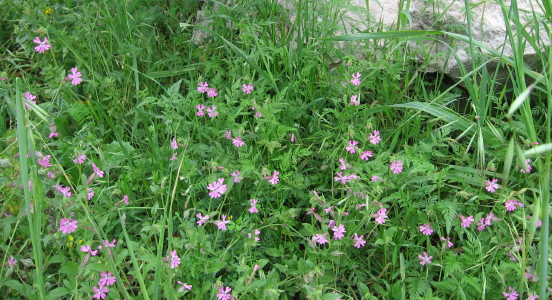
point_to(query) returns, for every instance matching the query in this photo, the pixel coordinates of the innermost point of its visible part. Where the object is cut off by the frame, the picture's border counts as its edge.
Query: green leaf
(538, 150)
(215, 267)
(273, 252)
(57, 293)
(70, 268)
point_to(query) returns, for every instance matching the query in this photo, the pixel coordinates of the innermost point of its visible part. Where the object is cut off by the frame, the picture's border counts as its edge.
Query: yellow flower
(48, 11)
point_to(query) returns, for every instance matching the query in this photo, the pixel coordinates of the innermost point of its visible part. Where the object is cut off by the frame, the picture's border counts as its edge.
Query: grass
(334, 216)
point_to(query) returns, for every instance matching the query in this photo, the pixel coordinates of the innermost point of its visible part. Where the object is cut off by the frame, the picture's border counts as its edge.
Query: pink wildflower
(90, 193)
(228, 134)
(491, 186)
(339, 231)
(108, 244)
(238, 142)
(237, 176)
(352, 146)
(51, 175)
(212, 112)
(200, 108)
(343, 165)
(356, 79)
(217, 188)
(359, 241)
(98, 171)
(174, 144)
(528, 169)
(80, 159)
(202, 87)
(184, 286)
(292, 138)
(175, 260)
(449, 243)
(375, 178)
(222, 224)
(354, 100)
(424, 259)
(531, 274)
(381, 215)
(174, 156)
(426, 229)
(106, 279)
(512, 205)
(75, 76)
(274, 178)
(45, 161)
(366, 155)
(30, 97)
(212, 92)
(320, 238)
(511, 294)
(247, 88)
(42, 45)
(88, 249)
(101, 292)
(466, 222)
(67, 225)
(202, 219)
(396, 167)
(224, 293)
(374, 137)
(253, 204)
(258, 114)
(125, 199)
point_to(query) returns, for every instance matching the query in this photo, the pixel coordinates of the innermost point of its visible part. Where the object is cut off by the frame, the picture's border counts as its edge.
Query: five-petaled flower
(466, 221)
(200, 108)
(212, 111)
(320, 238)
(354, 100)
(359, 241)
(352, 146)
(88, 249)
(202, 87)
(374, 137)
(222, 224)
(224, 293)
(202, 219)
(339, 232)
(356, 79)
(424, 259)
(491, 186)
(380, 216)
(97, 171)
(67, 225)
(426, 229)
(184, 286)
(247, 88)
(396, 167)
(238, 142)
(106, 279)
(449, 243)
(42, 45)
(80, 159)
(100, 292)
(237, 176)
(217, 188)
(274, 178)
(174, 144)
(253, 203)
(212, 92)
(30, 97)
(511, 294)
(75, 76)
(366, 155)
(175, 260)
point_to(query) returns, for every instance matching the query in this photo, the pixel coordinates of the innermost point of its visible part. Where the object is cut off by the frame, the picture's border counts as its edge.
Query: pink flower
(51, 175)
(106, 279)
(222, 224)
(224, 293)
(366, 155)
(528, 169)
(531, 274)
(45, 161)
(67, 225)
(375, 178)
(466, 222)
(396, 167)
(238, 142)
(202, 87)
(101, 292)
(374, 137)
(532, 297)
(184, 286)
(88, 249)
(274, 178)
(354, 100)
(356, 79)
(339, 232)
(202, 219)
(125, 199)
(380, 215)
(108, 244)
(258, 114)
(511, 294)
(512, 204)
(80, 159)
(11, 263)
(217, 188)
(53, 134)
(449, 244)
(30, 97)
(424, 259)
(352, 146)
(491, 186)
(228, 134)
(253, 203)
(320, 238)
(200, 108)
(75, 76)
(292, 138)
(98, 171)
(426, 229)
(174, 144)
(247, 88)
(42, 46)
(343, 165)
(90, 193)
(212, 112)
(237, 176)
(175, 260)
(212, 92)
(359, 241)
(256, 232)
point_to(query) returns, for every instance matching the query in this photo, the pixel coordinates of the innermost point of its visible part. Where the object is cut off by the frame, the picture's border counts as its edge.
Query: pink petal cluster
(356, 79)
(174, 259)
(424, 259)
(67, 225)
(237, 176)
(491, 186)
(253, 204)
(426, 229)
(359, 241)
(202, 219)
(75, 76)
(345, 178)
(352, 147)
(396, 167)
(222, 223)
(380, 216)
(339, 231)
(42, 45)
(247, 88)
(30, 97)
(512, 205)
(224, 293)
(217, 188)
